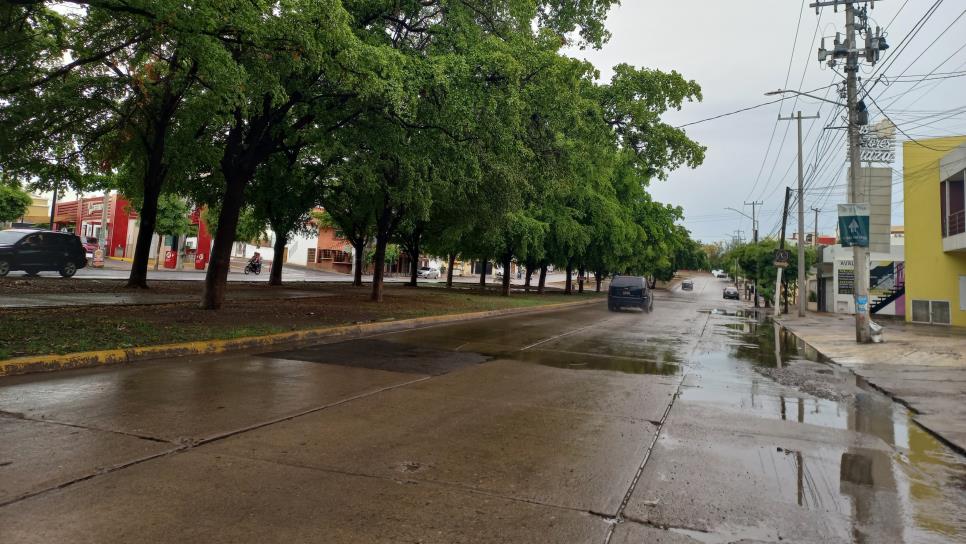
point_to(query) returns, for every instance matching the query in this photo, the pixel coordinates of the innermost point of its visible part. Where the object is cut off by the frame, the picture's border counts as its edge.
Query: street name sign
(854, 224)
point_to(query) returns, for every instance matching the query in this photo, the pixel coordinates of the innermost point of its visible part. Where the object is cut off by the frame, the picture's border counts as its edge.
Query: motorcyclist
(255, 262)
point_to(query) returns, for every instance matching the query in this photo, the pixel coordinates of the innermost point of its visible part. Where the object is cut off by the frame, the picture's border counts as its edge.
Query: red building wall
(67, 214)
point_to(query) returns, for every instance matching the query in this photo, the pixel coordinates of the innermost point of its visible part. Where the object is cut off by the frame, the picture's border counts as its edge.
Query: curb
(87, 359)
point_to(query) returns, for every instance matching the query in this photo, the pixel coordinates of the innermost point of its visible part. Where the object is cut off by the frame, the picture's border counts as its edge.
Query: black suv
(35, 250)
(629, 291)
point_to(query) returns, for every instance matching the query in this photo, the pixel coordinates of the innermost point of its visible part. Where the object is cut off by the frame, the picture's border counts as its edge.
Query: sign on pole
(878, 142)
(854, 224)
(781, 258)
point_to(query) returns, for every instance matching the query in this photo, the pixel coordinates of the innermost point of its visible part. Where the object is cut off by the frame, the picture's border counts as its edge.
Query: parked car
(428, 272)
(629, 291)
(732, 292)
(90, 245)
(34, 251)
(687, 285)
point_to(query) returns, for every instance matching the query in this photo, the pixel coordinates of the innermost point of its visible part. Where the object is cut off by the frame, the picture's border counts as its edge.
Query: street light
(741, 212)
(800, 93)
(861, 109)
(754, 229)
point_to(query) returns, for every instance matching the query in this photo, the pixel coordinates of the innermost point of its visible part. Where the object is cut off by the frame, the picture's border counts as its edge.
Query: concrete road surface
(698, 422)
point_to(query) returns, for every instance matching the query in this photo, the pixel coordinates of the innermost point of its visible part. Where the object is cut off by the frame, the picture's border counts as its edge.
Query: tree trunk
(598, 277)
(580, 280)
(277, 258)
(542, 282)
(413, 266)
(507, 258)
(569, 286)
(527, 281)
(483, 275)
(216, 278)
(379, 265)
(449, 270)
(360, 251)
(154, 178)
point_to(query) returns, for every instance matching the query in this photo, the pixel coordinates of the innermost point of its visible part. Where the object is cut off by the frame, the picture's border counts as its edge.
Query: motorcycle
(253, 268)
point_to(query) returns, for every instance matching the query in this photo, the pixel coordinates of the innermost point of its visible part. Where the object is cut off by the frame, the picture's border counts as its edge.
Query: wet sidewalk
(921, 366)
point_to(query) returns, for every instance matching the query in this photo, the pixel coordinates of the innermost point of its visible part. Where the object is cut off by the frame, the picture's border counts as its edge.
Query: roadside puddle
(892, 479)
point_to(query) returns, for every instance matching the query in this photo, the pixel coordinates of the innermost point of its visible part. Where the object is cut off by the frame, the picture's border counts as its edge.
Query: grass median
(41, 331)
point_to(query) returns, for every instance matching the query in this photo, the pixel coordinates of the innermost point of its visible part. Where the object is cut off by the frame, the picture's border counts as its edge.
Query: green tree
(104, 89)
(173, 219)
(14, 201)
(757, 261)
(287, 212)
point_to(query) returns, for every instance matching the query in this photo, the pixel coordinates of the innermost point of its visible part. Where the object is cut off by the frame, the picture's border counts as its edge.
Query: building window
(952, 201)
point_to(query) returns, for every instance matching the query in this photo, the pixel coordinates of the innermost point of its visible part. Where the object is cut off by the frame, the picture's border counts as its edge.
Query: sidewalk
(921, 366)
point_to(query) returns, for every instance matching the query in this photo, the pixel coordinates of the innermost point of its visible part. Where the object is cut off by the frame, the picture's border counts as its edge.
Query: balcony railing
(956, 223)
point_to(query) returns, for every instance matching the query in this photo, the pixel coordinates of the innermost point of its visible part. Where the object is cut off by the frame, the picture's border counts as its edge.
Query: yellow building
(935, 230)
(38, 213)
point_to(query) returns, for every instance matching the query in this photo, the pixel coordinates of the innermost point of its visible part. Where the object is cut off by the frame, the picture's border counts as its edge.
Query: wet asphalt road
(695, 423)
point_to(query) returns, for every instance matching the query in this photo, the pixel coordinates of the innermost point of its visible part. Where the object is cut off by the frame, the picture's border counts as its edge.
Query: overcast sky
(737, 50)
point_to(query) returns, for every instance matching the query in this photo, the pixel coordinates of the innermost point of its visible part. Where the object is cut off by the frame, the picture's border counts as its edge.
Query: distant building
(38, 213)
(935, 230)
(85, 216)
(887, 280)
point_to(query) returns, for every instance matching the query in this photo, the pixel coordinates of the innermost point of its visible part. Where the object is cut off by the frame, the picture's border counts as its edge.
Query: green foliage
(393, 252)
(756, 261)
(459, 127)
(173, 216)
(251, 228)
(14, 201)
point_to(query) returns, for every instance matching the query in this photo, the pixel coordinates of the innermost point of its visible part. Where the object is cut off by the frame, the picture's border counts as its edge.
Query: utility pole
(815, 234)
(781, 245)
(801, 212)
(102, 235)
(860, 256)
(875, 43)
(737, 239)
(754, 236)
(53, 207)
(754, 218)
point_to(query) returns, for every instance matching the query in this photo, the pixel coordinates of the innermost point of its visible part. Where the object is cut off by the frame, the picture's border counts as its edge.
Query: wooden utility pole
(815, 234)
(781, 245)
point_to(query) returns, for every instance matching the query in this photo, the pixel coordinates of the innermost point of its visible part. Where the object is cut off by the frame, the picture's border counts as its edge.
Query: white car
(428, 273)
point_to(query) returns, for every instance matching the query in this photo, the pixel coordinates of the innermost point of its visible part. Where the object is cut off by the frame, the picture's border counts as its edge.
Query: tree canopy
(454, 127)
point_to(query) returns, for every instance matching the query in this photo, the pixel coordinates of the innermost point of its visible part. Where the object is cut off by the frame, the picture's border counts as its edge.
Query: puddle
(891, 480)
(585, 361)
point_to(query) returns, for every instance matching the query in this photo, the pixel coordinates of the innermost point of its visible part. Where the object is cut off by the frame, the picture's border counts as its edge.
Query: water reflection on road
(894, 481)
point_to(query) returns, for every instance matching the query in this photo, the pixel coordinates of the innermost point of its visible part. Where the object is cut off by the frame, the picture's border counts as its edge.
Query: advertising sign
(846, 277)
(877, 143)
(854, 225)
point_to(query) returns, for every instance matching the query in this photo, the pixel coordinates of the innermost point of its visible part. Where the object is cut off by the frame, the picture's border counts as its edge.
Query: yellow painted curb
(86, 359)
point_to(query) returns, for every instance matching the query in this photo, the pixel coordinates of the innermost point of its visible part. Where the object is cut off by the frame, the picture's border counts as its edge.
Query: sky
(737, 50)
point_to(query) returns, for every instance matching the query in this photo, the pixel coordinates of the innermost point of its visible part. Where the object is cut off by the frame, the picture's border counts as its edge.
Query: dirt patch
(84, 328)
(816, 379)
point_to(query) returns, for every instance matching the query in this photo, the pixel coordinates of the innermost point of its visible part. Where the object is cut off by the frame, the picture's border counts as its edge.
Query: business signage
(854, 224)
(878, 142)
